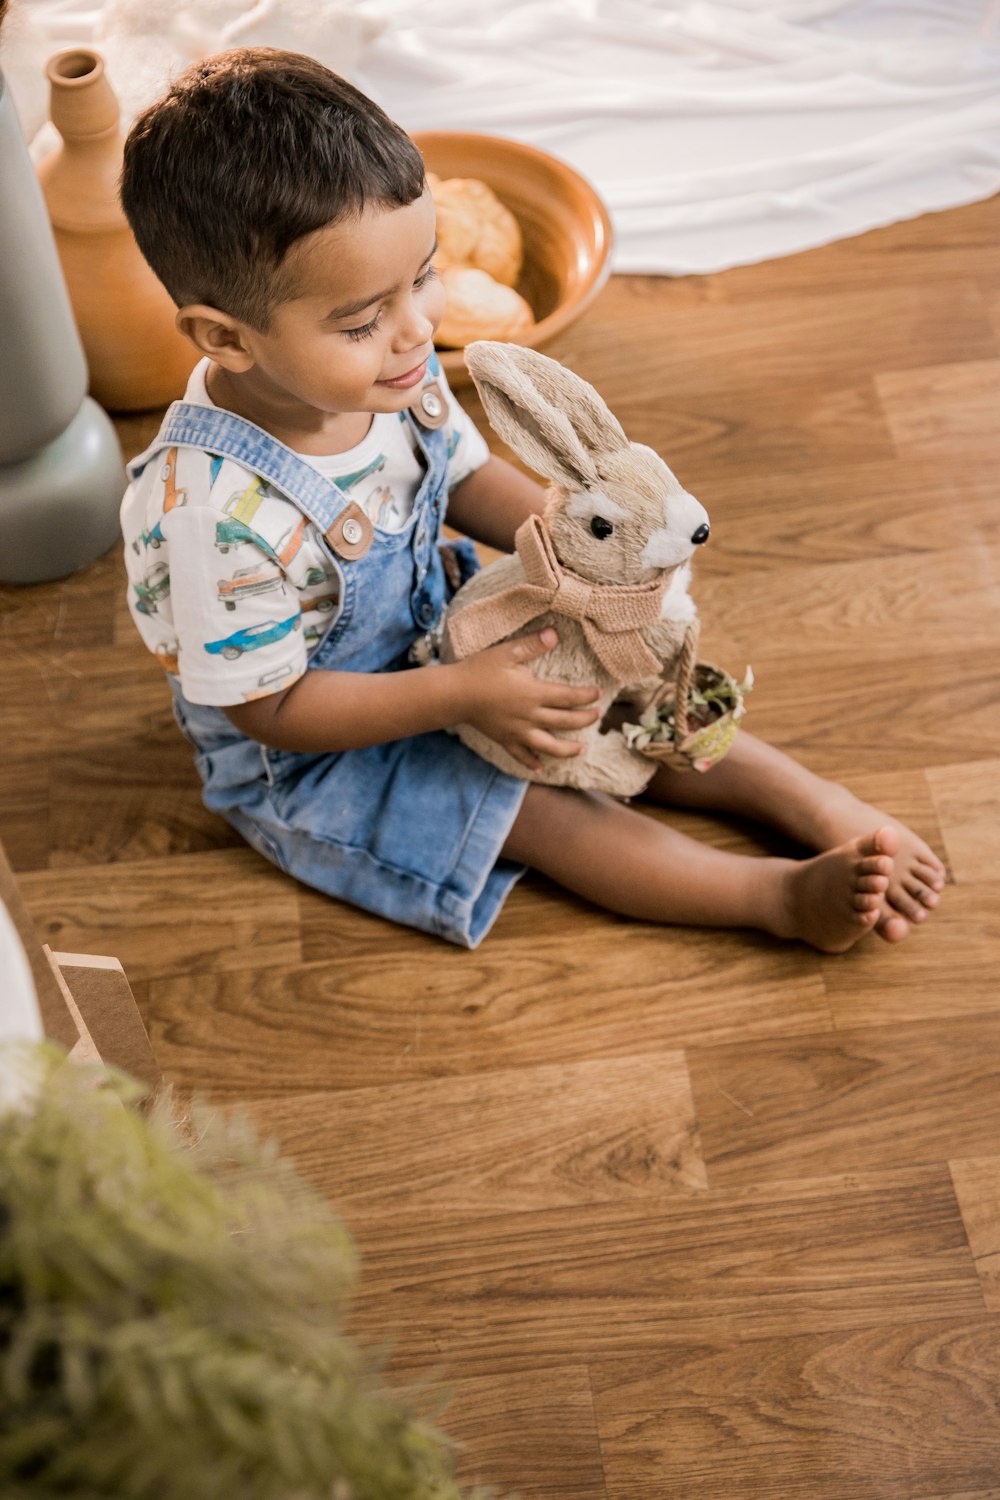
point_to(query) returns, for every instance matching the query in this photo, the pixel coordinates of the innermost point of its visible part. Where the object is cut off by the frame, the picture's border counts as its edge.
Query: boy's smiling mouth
(411, 377)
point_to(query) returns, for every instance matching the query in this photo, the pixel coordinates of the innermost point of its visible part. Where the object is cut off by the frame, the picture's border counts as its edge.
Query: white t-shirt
(230, 585)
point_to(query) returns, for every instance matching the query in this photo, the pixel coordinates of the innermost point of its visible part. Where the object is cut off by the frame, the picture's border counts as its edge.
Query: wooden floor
(672, 1213)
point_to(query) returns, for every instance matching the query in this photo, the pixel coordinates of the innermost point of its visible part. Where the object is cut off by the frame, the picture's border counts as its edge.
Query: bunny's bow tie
(612, 615)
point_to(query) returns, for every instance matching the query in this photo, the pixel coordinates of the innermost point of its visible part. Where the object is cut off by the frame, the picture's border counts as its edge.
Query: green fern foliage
(171, 1302)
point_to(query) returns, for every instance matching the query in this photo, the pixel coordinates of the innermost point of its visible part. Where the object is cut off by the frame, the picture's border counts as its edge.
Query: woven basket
(693, 748)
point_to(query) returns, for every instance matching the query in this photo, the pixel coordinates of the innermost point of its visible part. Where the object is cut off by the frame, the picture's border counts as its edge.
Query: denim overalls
(412, 829)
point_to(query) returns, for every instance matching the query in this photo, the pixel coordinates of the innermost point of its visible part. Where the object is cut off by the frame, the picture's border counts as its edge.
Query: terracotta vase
(136, 357)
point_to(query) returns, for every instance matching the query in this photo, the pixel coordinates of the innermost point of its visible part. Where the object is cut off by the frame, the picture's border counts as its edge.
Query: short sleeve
(236, 617)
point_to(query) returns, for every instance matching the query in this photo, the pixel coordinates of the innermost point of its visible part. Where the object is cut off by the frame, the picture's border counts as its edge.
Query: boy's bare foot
(918, 876)
(834, 899)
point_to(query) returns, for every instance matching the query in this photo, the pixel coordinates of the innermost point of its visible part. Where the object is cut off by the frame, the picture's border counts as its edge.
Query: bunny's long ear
(550, 417)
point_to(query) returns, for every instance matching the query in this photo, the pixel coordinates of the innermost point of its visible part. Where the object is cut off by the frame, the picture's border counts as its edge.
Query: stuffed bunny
(608, 565)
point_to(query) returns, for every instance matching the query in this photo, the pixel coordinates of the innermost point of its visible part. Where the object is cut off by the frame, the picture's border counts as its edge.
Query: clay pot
(136, 357)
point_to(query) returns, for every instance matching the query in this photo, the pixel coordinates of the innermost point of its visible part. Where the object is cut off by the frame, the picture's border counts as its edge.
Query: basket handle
(680, 687)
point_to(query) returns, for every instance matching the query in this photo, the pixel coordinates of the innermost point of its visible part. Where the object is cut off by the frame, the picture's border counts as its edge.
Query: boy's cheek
(434, 308)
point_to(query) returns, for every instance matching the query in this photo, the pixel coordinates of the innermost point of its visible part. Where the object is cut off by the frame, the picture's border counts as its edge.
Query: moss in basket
(717, 695)
(170, 1312)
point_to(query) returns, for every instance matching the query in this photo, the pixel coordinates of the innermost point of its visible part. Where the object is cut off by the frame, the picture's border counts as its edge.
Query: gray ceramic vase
(61, 471)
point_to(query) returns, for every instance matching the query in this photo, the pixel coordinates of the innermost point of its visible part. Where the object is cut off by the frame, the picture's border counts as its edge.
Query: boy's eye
(366, 329)
(426, 276)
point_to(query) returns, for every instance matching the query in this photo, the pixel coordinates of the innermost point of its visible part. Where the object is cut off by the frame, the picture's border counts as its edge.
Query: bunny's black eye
(601, 528)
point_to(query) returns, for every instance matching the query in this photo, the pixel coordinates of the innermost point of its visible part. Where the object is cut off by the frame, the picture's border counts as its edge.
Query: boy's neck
(300, 427)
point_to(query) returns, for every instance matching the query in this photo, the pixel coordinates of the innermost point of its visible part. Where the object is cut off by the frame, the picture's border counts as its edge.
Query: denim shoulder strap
(187, 425)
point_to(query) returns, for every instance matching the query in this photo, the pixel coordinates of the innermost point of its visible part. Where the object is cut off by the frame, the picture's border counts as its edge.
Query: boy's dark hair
(246, 153)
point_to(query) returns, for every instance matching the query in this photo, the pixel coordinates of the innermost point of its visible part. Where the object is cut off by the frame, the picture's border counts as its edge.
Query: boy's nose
(702, 534)
(415, 329)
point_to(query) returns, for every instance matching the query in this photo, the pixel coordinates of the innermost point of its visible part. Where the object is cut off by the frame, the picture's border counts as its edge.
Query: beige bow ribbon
(612, 615)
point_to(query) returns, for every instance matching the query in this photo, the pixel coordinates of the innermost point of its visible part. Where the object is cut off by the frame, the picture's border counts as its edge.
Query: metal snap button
(432, 404)
(352, 531)
(425, 613)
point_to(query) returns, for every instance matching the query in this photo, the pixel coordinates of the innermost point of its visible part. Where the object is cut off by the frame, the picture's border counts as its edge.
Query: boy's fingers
(547, 744)
(561, 695)
(528, 647)
(567, 718)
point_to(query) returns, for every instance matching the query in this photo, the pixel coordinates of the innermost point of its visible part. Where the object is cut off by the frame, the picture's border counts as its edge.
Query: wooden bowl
(564, 225)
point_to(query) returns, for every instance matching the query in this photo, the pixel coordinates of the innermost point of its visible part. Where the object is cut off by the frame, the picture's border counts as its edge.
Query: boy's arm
(495, 690)
(490, 504)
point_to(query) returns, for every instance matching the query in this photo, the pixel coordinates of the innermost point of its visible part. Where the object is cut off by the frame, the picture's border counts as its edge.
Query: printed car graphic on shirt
(323, 603)
(148, 538)
(231, 534)
(260, 578)
(253, 637)
(290, 543)
(348, 481)
(380, 504)
(167, 655)
(168, 474)
(155, 586)
(244, 504)
(268, 684)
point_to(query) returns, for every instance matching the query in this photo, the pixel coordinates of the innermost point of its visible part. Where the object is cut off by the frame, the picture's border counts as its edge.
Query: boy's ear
(216, 334)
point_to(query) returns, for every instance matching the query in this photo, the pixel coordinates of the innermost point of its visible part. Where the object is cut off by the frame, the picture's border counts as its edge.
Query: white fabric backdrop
(718, 131)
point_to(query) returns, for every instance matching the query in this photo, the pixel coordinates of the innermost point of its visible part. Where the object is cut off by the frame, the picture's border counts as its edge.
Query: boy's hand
(507, 702)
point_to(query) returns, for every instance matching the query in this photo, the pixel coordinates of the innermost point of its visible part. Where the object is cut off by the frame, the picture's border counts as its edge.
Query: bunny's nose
(701, 535)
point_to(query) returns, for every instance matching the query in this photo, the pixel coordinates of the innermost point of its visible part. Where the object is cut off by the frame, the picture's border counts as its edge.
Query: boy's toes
(892, 927)
(884, 841)
(867, 900)
(931, 876)
(922, 893)
(906, 905)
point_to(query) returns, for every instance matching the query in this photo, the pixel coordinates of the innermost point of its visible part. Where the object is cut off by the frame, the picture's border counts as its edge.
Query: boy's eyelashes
(365, 330)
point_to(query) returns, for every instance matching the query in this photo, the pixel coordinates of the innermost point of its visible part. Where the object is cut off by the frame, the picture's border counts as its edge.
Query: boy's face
(358, 335)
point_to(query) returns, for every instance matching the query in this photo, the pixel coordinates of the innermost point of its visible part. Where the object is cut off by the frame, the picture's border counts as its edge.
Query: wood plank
(781, 342)
(947, 969)
(842, 717)
(876, 1411)
(226, 909)
(946, 408)
(839, 609)
(528, 1431)
(517, 1140)
(843, 512)
(875, 1096)
(24, 809)
(967, 798)
(157, 814)
(977, 1184)
(630, 1279)
(384, 1007)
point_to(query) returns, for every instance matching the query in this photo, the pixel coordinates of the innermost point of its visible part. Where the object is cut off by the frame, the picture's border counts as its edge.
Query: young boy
(282, 541)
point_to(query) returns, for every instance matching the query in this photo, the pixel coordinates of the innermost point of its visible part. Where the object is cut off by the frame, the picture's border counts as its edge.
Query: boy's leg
(757, 781)
(614, 856)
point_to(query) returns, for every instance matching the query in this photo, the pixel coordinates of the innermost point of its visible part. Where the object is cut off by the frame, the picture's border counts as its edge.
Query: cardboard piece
(85, 1000)
(108, 1011)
